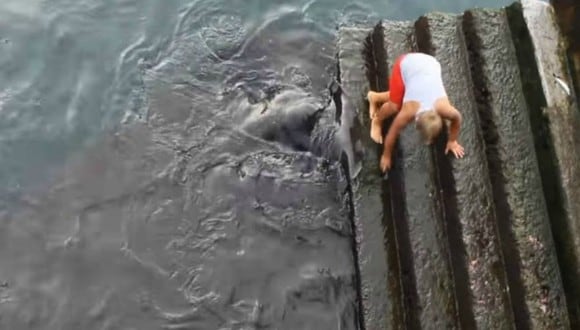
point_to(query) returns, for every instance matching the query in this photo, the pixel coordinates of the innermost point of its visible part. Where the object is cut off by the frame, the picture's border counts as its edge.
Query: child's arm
(449, 112)
(403, 118)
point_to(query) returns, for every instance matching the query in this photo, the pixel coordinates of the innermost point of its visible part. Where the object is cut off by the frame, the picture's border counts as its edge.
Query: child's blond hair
(429, 124)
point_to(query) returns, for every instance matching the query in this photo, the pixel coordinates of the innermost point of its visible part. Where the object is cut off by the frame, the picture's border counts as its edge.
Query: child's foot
(372, 104)
(376, 131)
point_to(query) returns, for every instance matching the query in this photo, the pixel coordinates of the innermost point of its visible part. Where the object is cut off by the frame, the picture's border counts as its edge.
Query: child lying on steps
(416, 92)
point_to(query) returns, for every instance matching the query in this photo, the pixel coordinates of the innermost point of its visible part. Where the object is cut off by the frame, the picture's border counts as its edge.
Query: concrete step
(484, 242)
(465, 186)
(425, 256)
(377, 258)
(526, 236)
(555, 121)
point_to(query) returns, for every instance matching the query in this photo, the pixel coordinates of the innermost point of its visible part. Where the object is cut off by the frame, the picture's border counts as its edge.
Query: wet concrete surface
(425, 229)
(515, 176)
(482, 242)
(400, 37)
(376, 264)
(466, 180)
(555, 123)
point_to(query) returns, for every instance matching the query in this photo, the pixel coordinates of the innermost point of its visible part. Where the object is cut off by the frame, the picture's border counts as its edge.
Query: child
(416, 92)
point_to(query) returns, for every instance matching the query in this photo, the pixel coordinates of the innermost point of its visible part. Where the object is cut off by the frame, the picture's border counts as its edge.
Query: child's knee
(392, 107)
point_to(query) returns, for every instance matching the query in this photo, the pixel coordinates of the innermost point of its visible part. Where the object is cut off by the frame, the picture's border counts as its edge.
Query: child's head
(429, 125)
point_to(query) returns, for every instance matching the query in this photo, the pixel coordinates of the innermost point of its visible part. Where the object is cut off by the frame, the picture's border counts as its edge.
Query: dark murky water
(172, 164)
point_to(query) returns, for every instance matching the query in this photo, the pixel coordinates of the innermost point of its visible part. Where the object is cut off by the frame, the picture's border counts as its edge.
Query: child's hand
(455, 148)
(385, 163)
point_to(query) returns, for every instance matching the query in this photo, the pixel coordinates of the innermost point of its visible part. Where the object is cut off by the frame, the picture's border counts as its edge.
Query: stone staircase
(490, 241)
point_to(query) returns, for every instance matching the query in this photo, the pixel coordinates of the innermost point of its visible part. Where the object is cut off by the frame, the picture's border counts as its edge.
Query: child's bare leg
(387, 110)
(376, 100)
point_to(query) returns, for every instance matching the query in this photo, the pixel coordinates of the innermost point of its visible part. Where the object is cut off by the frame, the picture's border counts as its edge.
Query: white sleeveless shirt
(421, 75)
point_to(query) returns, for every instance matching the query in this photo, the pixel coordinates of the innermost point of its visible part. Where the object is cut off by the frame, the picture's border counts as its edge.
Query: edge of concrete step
(377, 266)
(555, 123)
(474, 244)
(537, 294)
(421, 236)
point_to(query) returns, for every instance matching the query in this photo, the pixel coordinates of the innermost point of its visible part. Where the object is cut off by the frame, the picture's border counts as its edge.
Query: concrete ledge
(375, 265)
